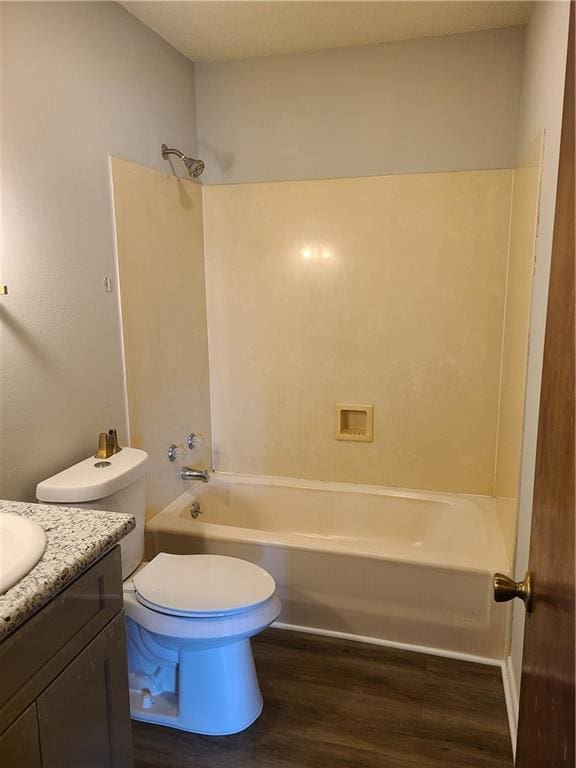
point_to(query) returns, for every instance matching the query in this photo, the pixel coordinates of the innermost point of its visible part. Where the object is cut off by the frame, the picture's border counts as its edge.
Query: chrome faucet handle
(194, 441)
(175, 452)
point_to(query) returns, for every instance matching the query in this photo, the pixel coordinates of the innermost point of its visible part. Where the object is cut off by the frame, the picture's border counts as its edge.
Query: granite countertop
(75, 538)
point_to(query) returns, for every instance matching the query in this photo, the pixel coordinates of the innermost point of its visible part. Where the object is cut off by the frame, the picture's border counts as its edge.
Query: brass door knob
(506, 589)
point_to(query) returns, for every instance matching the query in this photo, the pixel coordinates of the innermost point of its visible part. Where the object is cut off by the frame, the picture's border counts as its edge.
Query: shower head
(194, 167)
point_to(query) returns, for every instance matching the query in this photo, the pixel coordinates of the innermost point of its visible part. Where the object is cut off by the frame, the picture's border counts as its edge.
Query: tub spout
(195, 474)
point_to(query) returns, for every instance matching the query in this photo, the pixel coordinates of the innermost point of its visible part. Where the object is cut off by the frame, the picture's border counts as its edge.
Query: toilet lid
(202, 585)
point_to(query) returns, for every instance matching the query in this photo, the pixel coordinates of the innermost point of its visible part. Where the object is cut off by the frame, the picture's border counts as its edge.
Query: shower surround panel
(160, 252)
(384, 290)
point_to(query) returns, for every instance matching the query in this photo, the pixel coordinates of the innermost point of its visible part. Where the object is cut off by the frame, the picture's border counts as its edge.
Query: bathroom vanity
(64, 689)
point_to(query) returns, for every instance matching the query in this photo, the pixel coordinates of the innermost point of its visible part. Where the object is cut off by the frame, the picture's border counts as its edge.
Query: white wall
(541, 107)
(434, 104)
(80, 81)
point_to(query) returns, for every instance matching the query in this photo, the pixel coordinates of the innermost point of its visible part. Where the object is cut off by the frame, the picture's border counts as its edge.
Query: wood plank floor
(336, 704)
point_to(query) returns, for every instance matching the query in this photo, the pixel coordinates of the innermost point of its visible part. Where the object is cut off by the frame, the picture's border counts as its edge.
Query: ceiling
(209, 30)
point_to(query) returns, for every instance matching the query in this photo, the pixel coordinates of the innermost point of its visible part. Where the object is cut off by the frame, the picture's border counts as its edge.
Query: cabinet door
(19, 745)
(84, 715)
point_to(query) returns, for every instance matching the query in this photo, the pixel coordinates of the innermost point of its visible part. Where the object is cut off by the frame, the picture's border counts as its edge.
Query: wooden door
(547, 699)
(84, 715)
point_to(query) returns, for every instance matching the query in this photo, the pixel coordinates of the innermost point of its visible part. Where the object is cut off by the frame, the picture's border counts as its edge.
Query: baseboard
(512, 701)
(392, 644)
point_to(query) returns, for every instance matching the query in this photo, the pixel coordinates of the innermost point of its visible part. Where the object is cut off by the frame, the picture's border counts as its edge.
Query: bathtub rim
(339, 486)
(171, 520)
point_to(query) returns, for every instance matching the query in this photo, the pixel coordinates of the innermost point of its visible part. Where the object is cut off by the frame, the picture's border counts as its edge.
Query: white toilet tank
(115, 484)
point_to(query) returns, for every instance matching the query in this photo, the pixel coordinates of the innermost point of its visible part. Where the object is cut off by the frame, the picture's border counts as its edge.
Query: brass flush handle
(107, 445)
(506, 589)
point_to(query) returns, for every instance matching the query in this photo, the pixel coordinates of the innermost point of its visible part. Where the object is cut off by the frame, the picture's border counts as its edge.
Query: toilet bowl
(189, 622)
(189, 618)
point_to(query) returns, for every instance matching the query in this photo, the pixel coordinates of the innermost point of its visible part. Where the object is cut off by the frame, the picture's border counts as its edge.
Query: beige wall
(523, 222)
(161, 266)
(405, 313)
(80, 81)
(434, 104)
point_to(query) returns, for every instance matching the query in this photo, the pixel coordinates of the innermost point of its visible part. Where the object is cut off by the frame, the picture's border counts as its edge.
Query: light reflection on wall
(311, 252)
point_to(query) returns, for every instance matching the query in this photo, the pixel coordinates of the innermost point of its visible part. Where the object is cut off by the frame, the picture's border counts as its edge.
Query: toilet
(189, 618)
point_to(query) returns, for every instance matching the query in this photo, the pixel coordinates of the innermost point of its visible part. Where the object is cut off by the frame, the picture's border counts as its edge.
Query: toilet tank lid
(86, 481)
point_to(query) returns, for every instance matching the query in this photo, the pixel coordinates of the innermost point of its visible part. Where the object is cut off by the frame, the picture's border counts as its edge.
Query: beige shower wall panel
(385, 290)
(159, 233)
(523, 222)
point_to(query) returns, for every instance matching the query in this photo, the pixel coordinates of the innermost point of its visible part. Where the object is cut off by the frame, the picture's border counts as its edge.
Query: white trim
(392, 644)
(117, 287)
(512, 701)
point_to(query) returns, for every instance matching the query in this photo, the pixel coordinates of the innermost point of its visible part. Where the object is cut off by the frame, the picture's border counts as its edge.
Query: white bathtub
(391, 565)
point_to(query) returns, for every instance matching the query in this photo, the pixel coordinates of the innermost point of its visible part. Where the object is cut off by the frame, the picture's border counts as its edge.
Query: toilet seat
(202, 586)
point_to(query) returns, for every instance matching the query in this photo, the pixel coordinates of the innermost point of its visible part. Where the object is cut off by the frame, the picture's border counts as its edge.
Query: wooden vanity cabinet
(19, 744)
(64, 679)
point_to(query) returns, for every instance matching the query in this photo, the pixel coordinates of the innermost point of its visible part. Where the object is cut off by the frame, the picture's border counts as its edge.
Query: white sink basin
(22, 544)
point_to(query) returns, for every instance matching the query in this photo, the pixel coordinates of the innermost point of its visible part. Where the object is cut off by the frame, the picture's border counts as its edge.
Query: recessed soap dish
(355, 422)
